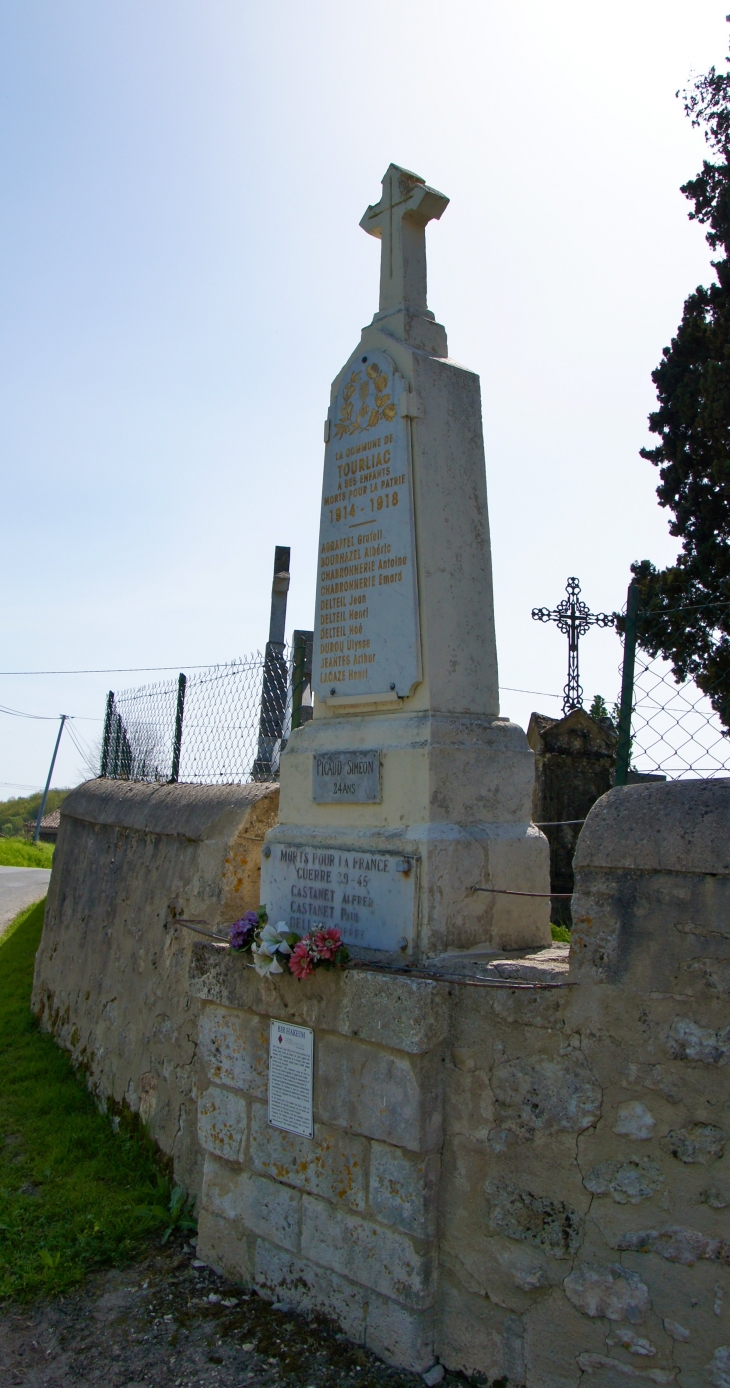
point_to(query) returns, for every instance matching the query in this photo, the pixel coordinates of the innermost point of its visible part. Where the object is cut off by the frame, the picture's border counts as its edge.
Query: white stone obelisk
(407, 789)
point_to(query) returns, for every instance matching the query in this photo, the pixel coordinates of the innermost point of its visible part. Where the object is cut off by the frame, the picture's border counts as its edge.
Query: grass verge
(74, 1193)
(21, 853)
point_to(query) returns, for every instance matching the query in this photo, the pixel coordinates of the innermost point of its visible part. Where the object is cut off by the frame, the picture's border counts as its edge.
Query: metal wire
(222, 725)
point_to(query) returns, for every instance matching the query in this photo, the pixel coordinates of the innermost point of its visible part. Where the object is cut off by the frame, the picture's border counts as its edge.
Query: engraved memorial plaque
(291, 1054)
(351, 778)
(369, 895)
(366, 631)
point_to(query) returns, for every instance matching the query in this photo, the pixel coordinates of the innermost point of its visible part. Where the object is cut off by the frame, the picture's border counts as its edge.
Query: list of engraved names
(368, 895)
(366, 627)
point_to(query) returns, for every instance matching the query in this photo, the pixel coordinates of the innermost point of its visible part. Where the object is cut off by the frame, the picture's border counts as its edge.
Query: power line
(182, 665)
(110, 670)
(41, 717)
(47, 717)
(542, 693)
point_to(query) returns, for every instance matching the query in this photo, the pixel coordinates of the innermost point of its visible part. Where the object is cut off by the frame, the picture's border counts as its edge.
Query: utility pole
(273, 693)
(42, 806)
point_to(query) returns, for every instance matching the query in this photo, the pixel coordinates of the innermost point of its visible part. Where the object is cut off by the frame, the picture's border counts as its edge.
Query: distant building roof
(50, 825)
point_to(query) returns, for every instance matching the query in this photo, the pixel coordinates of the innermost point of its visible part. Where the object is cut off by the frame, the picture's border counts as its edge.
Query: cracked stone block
(611, 1291)
(222, 1123)
(388, 1095)
(404, 1189)
(310, 1287)
(331, 1164)
(367, 1253)
(264, 1207)
(627, 1182)
(547, 1094)
(234, 1047)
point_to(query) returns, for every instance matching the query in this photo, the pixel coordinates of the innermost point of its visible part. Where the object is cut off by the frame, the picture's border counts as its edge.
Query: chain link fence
(674, 729)
(222, 725)
(230, 723)
(669, 726)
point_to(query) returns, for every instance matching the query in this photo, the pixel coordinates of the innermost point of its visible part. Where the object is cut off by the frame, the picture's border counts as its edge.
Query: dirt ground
(170, 1322)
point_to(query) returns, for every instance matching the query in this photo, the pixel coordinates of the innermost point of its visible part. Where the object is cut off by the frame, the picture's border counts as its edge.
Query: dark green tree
(693, 425)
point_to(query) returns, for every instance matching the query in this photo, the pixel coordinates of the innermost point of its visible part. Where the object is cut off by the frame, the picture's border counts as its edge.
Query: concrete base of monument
(398, 874)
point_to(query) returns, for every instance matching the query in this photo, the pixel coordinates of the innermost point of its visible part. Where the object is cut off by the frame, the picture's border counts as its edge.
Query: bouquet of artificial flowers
(274, 946)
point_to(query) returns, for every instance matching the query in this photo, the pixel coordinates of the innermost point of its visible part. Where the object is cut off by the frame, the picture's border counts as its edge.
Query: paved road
(19, 887)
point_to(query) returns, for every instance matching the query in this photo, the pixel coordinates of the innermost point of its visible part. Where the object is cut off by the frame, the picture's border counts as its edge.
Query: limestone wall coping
(192, 812)
(675, 826)
(405, 1014)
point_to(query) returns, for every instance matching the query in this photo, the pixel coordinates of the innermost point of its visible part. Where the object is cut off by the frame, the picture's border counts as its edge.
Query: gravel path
(20, 887)
(170, 1322)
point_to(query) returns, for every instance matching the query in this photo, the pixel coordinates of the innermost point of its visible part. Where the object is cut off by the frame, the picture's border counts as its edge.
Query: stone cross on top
(400, 220)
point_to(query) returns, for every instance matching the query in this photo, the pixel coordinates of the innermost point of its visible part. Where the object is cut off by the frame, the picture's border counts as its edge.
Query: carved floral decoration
(372, 410)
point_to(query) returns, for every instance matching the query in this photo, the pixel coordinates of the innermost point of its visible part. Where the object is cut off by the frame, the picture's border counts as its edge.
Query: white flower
(266, 946)
(265, 961)
(270, 939)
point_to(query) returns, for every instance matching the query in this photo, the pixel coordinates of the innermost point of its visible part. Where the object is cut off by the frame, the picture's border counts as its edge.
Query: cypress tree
(692, 423)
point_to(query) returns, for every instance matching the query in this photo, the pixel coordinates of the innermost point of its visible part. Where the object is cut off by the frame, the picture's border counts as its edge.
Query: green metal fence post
(177, 744)
(297, 679)
(623, 751)
(107, 733)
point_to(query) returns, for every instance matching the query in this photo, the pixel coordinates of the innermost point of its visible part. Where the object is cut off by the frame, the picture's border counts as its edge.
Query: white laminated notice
(291, 1055)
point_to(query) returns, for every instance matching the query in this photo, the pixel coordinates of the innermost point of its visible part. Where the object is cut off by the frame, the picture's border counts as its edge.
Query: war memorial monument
(407, 789)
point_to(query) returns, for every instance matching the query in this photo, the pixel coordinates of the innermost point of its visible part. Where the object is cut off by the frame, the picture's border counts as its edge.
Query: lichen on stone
(548, 1224)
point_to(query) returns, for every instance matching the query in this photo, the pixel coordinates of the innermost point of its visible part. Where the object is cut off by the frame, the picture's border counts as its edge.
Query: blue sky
(183, 274)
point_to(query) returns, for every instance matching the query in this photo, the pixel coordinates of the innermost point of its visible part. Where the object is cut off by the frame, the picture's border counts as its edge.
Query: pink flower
(325, 942)
(301, 961)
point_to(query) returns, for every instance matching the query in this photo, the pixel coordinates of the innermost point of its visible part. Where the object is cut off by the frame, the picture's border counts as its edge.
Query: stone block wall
(346, 1222)
(111, 971)
(526, 1183)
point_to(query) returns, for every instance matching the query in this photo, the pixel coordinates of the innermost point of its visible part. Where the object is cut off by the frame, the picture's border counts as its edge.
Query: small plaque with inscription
(346, 777)
(291, 1054)
(369, 895)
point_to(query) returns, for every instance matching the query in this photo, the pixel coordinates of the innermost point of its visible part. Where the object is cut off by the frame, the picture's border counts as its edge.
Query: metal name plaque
(366, 626)
(349, 777)
(291, 1050)
(370, 896)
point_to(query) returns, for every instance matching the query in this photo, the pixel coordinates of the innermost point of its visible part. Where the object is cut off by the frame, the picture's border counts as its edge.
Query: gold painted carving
(370, 412)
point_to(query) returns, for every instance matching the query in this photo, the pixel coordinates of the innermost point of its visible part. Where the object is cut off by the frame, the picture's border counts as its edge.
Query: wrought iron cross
(573, 618)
